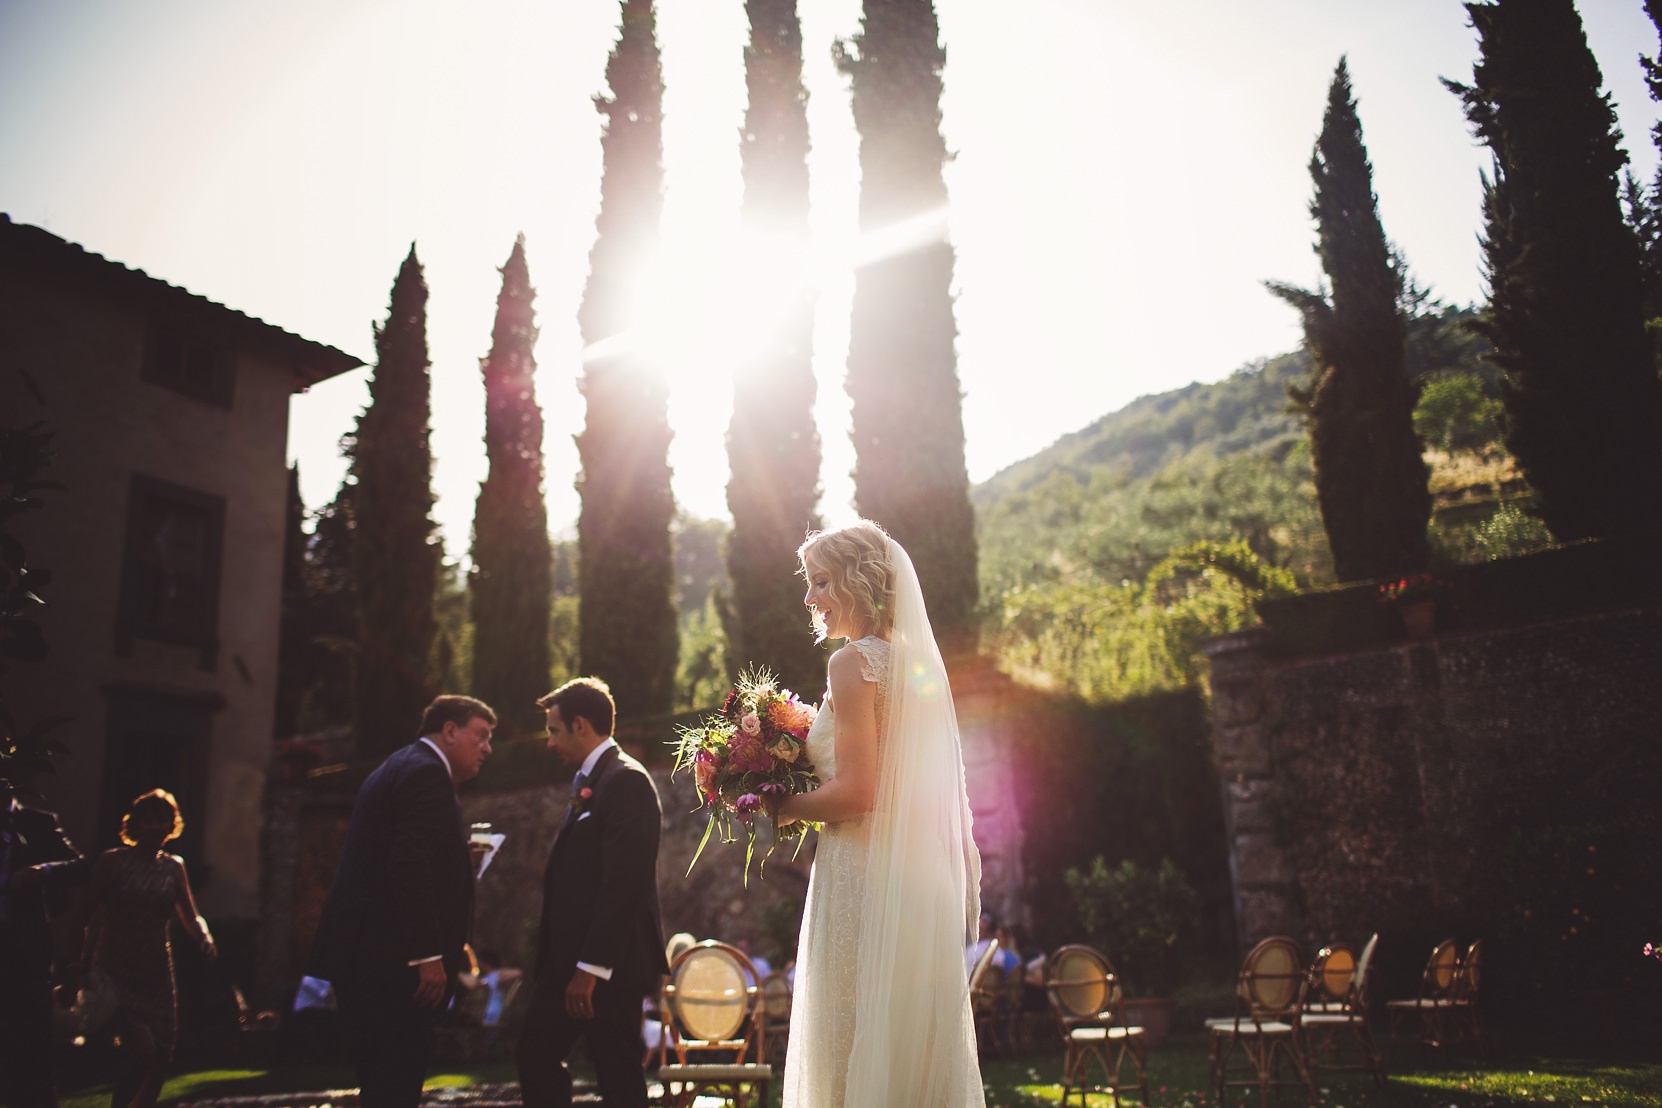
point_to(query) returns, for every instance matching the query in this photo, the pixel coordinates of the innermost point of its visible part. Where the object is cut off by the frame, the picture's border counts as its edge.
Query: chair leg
(1370, 1052)
(1139, 1056)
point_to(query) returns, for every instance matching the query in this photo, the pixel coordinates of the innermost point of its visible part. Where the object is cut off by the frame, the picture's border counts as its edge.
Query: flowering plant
(1421, 586)
(748, 758)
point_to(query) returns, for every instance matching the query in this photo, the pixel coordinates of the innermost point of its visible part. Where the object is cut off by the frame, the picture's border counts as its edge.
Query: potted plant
(1415, 600)
(1135, 915)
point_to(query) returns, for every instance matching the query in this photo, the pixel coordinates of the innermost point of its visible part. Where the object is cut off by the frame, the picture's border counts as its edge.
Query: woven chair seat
(1247, 1027)
(1411, 1003)
(1098, 1033)
(715, 1071)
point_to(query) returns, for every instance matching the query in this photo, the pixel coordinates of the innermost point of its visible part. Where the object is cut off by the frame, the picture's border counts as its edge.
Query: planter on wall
(1419, 618)
(1152, 1014)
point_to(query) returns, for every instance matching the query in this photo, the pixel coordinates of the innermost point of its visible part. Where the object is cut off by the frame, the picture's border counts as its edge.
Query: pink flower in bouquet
(747, 754)
(747, 806)
(750, 724)
(786, 749)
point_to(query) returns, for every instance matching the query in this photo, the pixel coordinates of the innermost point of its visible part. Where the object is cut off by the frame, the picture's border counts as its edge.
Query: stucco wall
(83, 354)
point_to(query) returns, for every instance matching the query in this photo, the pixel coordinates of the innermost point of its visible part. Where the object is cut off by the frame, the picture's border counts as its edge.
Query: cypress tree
(331, 616)
(773, 447)
(1645, 207)
(512, 561)
(626, 572)
(1371, 482)
(1565, 314)
(293, 638)
(395, 552)
(908, 423)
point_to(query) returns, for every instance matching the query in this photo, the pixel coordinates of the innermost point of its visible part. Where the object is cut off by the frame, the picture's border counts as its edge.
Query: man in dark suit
(601, 946)
(36, 860)
(391, 935)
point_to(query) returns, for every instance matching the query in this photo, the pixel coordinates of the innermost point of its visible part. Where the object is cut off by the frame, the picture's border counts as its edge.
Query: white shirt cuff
(601, 972)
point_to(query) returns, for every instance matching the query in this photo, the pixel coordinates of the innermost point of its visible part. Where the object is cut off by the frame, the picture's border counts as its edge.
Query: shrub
(1135, 916)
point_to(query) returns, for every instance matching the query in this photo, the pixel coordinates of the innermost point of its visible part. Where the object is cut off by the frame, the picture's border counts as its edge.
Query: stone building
(170, 416)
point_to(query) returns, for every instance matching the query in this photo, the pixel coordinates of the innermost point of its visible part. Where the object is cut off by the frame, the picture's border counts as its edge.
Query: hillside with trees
(1107, 555)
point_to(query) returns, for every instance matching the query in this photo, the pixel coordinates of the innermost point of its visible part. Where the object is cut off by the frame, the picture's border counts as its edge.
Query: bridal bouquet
(749, 753)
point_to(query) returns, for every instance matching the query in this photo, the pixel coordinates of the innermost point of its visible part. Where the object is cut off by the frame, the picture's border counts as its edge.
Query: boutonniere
(579, 802)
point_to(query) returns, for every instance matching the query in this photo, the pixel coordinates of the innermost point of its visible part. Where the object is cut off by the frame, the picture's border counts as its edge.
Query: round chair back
(711, 997)
(1333, 972)
(1082, 983)
(1272, 974)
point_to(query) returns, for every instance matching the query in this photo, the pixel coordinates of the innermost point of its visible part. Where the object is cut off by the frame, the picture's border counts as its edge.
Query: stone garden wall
(1497, 779)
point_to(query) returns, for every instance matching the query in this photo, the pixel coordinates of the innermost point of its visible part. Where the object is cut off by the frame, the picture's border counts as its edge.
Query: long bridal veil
(914, 1036)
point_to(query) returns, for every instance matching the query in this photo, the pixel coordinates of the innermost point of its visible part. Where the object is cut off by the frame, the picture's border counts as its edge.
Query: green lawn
(1516, 1072)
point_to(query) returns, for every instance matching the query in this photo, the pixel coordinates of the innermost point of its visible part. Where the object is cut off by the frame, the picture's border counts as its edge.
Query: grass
(1519, 1070)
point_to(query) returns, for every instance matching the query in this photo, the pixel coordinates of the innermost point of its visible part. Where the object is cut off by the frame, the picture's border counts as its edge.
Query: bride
(881, 1015)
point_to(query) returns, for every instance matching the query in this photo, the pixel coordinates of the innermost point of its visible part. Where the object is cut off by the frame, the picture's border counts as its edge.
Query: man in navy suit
(601, 945)
(37, 862)
(391, 935)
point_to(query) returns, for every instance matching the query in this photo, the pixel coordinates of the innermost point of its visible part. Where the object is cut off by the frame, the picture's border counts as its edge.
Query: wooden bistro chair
(1435, 1004)
(1089, 1004)
(777, 995)
(714, 1041)
(1016, 1030)
(1463, 1011)
(1339, 986)
(983, 991)
(1266, 1026)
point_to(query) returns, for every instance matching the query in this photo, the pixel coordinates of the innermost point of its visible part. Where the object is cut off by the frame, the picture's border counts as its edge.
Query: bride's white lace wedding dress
(916, 1046)
(828, 953)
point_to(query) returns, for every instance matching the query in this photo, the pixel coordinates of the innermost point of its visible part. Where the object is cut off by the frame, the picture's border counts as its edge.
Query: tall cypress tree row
(773, 445)
(512, 561)
(1565, 315)
(908, 421)
(395, 552)
(1371, 482)
(626, 570)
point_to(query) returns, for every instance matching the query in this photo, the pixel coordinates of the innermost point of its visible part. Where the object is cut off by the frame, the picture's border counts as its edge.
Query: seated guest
(988, 935)
(762, 965)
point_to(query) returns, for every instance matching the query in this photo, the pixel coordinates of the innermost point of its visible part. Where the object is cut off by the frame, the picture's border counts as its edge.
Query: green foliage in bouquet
(746, 760)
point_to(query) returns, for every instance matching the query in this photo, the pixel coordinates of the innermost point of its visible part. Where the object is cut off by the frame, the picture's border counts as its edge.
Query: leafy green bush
(1135, 916)
(1455, 412)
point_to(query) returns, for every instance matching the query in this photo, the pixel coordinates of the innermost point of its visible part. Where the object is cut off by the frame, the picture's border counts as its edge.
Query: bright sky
(1127, 173)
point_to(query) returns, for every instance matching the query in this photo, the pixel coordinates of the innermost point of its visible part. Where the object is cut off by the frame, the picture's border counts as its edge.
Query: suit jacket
(403, 890)
(600, 889)
(29, 837)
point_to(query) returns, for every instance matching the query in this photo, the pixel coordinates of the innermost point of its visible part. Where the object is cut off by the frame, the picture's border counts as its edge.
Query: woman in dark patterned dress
(136, 890)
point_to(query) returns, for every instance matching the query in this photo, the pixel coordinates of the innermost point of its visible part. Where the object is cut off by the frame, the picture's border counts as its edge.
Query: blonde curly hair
(855, 560)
